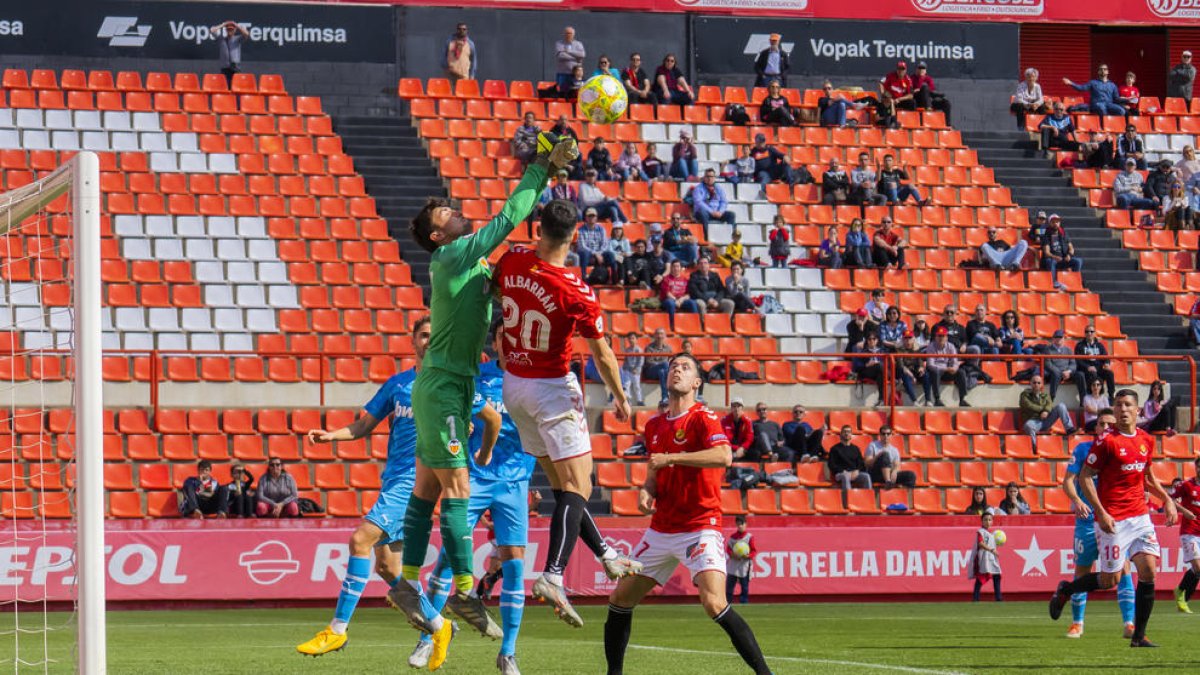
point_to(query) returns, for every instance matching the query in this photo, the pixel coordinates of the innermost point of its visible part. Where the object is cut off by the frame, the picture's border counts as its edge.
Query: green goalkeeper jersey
(460, 307)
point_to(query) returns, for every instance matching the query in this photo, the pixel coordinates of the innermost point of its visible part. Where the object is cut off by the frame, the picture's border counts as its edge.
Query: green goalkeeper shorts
(442, 404)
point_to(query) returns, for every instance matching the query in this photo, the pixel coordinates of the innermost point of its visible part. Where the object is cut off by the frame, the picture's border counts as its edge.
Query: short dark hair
(684, 355)
(204, 464)
(421, 226)
(640, 241)
(559, 219)
(740, 520)
(423, 320)
(1105, 411)
(1126, 392)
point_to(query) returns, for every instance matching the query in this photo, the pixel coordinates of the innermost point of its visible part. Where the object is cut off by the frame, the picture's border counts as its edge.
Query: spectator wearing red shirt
(1129, 96)
(925, 92)
(899, 86)
(738, 428)
(887, 246)
(673, 292)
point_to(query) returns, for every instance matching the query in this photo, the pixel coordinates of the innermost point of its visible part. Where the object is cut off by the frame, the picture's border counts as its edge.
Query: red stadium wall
(894, 557)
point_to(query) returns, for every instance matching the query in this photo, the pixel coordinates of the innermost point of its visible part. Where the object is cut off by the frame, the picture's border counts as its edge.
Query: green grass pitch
(1012, 637)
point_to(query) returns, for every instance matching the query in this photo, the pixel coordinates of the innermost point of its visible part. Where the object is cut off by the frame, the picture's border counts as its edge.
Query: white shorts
(549, 415)
(661, 553)
(1133, 536)
(1189, 547)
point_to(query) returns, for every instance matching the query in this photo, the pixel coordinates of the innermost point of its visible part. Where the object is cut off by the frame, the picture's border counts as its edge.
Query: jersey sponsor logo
(1183, 9)
(995, 7)
(402, 411)
(1134, 466)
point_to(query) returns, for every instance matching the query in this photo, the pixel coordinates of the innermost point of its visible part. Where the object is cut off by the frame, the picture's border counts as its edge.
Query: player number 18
(1112, 552)
(535, 327)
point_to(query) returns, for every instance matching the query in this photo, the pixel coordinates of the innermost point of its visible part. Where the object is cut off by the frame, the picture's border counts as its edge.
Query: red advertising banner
(1154, 12)
(305, 559)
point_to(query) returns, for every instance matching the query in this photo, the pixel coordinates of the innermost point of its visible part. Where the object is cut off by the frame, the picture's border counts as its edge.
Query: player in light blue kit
(383, 527)
(1085, 536)
(499, 483)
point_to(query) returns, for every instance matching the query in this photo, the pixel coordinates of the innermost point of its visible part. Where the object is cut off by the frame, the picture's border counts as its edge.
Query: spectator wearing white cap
(1058, 252)
(684, 163)
(772, 64)
(1181, 76)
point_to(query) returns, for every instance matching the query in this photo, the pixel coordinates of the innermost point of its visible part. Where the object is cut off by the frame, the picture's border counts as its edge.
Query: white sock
(437, 622)
(338, 627)
(415, 583)
(609, 554)
(555, 579)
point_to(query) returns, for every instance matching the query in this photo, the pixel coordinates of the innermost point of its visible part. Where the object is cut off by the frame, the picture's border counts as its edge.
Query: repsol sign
(845, 50)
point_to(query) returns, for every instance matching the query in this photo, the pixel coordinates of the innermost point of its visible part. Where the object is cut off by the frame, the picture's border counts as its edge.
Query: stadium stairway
(397, 171)
(1147, 315)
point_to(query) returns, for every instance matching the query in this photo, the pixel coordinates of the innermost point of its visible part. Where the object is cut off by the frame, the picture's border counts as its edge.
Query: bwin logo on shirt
(405, 411)
(123, 31)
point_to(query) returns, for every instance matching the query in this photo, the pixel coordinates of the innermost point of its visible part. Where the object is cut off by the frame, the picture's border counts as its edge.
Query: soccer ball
(602, 100)
(741, 549)
(999, 537)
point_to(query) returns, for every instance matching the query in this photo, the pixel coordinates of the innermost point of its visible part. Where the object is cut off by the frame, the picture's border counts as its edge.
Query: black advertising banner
(180, 30)
(839, 49)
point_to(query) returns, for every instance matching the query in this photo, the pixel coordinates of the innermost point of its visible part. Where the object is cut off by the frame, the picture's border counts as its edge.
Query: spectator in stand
(591, 196)
(891, 185)
(1102, 93)
(680, 243)
(772, 64)
(559, 189)
(1181, 76)
(887, 246)
(831, 108)
(1039, 412)
(707, 289)
(1014, 503)
(569, 54)
(592, 241)
(910, 369)
(637, 84)
(733, 252)
(1061, 369)
(1058, 131)
(877, 307)
(1130, 146)
(620, 248)
(1058, 252)
(868, 365)
(899, 86)
(652, 165)
(846, 464)
(524, 141)
(921, 333)
(1129, 95)
(277, 493)
(737, 289)
(1158, 413)
(604, 66)
(802, 438)
(1194, 323)
(629, 164)
(858, 246)
(1177, 209)
(240, 491)
(740, 169)
(671, 85)
(1159, 182)
(673, 293)
(829, 254)
(885, 112)
(925, 92)
(709, 202)
(568, 89)
(655, 368)
(944, 364)
(1098, 152)
(631, 370)
(1090, 366)
(738, 567)
(999, 254)
(1012, 336)
(1095, 401)
(684, 165)
(203, 494)
(1028, 98)
(892, 329)
(769, 163)
(230, 35)
(979, 506)
(1037, 231)
(459, 55)
(883, 461)
(738, 428)
(835, 184)
(858, 329)
(863, 181)
(982, 333)
(600, 160)
(1129, 188)
(563, 128)
(956, 332)
(768, 439)
(775, 109)
(638, 267)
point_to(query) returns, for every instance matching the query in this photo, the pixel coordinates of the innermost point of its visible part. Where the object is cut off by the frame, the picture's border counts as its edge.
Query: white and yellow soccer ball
(602, 100)
(741, 549)
(999, 537)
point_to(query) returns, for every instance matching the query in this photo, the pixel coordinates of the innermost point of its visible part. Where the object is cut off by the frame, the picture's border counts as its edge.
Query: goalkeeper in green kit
(444, 392)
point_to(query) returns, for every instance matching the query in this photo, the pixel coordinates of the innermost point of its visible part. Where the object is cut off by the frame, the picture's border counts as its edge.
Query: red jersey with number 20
(1121, 463)
(1188, 494)
(544, 306)
(687, 498)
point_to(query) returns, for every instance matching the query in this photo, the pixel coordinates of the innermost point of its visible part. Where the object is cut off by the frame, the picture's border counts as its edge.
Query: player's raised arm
(491, 433)
(351, 432)
(610, 372)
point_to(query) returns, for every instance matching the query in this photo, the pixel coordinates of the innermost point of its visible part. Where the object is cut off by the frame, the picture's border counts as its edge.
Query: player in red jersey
(544, 306)
(688, 454)
(1187, 498)
(1120, 462)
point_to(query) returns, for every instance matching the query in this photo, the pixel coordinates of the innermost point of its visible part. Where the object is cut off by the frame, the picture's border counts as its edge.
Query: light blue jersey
(1078, 458)
(1084, 543)
(395, 398)
(509, 461)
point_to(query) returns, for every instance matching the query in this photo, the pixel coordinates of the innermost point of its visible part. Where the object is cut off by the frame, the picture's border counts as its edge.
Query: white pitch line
(799, 659)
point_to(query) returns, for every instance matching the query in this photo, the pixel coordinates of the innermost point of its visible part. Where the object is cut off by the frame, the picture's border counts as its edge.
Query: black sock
(975, 594)
(743, 639)
(590, 534)
(1188, 583)
(1143, 604)
(1084, 584)
(996, 587)
(564, 530)
(616, 637)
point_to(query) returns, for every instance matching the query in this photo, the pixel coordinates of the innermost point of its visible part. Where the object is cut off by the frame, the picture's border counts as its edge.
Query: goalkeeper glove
(556, 152)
